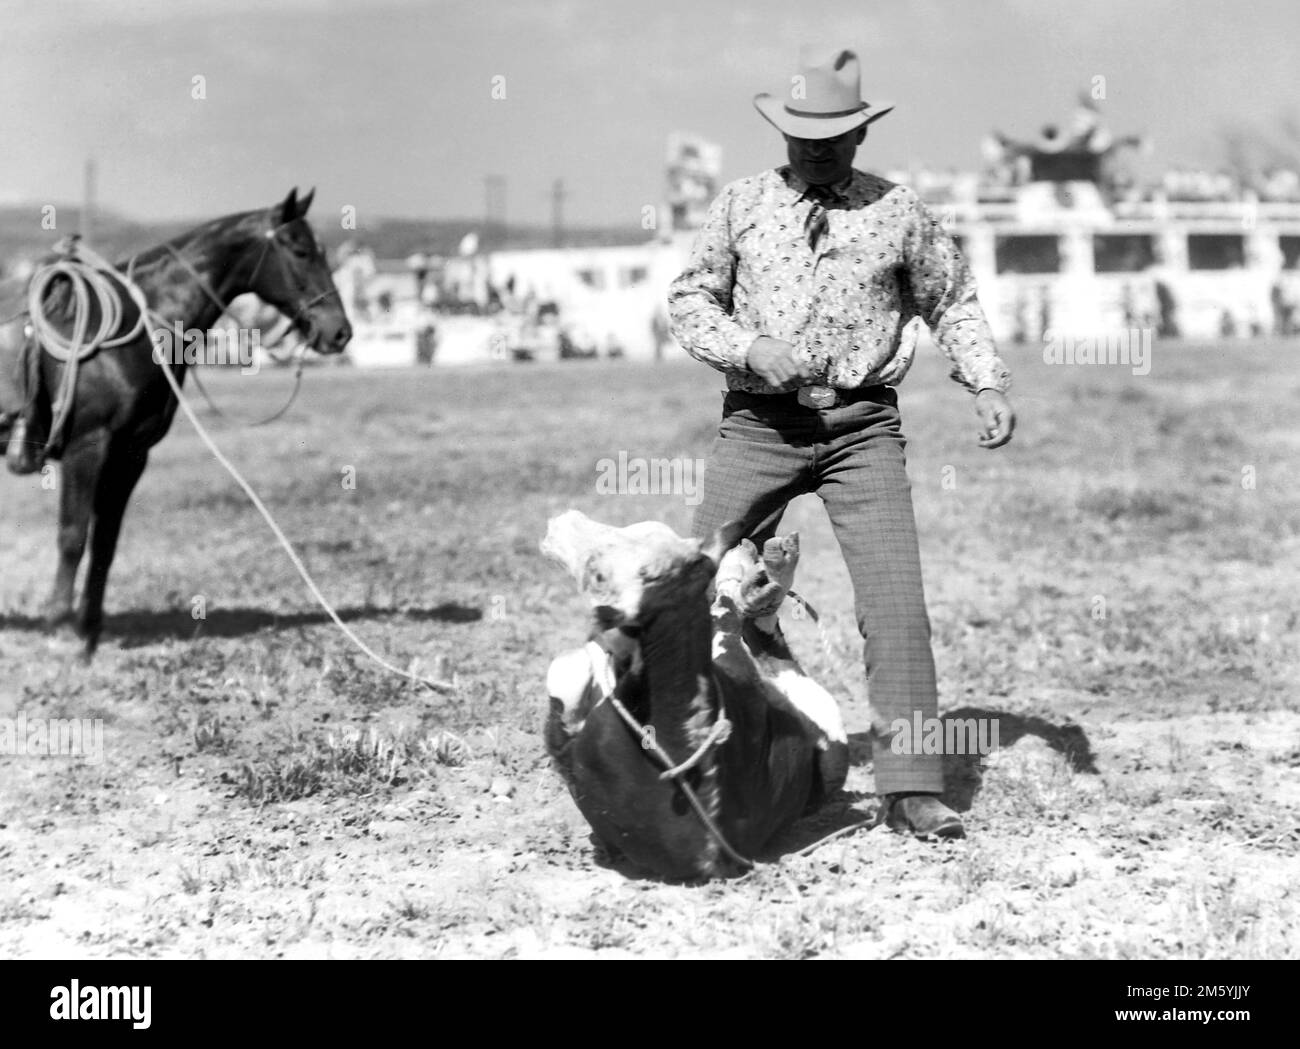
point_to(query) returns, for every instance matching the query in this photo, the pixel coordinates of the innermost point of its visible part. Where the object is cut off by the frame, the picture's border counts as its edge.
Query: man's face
(824, 161)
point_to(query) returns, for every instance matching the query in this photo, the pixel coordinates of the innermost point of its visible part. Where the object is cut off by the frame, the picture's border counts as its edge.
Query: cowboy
(799, 288)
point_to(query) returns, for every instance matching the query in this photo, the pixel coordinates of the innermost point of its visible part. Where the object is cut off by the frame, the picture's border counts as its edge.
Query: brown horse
(123, 404)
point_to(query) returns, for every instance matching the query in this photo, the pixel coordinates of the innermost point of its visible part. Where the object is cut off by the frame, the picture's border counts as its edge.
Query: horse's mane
(257, 221)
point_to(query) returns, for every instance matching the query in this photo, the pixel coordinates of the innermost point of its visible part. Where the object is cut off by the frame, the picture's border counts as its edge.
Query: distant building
(1060, 239)
(533, 303)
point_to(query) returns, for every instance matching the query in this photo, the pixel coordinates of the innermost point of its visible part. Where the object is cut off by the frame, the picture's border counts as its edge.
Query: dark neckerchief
(823, 199)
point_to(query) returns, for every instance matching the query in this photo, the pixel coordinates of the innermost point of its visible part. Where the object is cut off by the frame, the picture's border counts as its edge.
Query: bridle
(270, 238)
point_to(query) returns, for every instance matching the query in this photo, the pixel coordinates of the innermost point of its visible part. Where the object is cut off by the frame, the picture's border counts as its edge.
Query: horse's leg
(83, 459)
(122, 469)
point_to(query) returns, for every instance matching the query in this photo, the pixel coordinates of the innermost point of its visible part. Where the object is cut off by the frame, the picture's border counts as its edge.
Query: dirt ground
(1117, 586)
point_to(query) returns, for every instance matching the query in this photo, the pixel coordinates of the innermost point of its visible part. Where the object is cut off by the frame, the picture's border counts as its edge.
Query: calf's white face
(629, 573)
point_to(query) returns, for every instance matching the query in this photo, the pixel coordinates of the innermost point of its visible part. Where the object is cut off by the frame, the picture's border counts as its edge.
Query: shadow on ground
(962, 774)
(145, 626)
(845, 810)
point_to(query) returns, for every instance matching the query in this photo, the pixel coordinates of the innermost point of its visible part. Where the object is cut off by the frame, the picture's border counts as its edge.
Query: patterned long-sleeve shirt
(883, 260)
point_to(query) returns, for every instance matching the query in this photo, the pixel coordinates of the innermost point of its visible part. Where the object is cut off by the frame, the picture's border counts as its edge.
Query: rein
(223, 308)
(217, 411)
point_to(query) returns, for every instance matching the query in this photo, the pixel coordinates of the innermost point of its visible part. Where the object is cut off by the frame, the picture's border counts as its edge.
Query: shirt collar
(842, 189)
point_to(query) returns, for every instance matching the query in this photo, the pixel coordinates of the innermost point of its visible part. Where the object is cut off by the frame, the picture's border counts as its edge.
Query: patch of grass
(1221, 919)
(350, 762)
(210, 736)
(408, 910)
(605, 925)
(281, 779)
(1032, 787)
(1140, 505)
(243, 873)
(817, 924)
(22, 910)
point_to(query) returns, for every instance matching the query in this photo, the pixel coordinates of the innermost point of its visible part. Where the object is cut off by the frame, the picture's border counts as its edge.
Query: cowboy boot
(924, 815)
(24, 455)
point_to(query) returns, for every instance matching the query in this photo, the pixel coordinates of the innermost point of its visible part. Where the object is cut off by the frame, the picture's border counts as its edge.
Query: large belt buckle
(818, 397)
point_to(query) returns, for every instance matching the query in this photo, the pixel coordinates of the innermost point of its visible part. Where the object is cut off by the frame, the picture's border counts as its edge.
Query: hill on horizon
(116, 235)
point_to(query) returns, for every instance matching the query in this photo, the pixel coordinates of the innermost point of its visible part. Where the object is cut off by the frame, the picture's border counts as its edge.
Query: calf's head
(631, 574)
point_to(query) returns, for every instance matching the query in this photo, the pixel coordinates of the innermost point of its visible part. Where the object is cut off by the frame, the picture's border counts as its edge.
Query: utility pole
(88, 201)
(494, 216)
(557, 213)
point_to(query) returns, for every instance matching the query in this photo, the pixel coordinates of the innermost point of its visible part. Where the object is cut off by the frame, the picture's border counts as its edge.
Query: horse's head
(290, 271)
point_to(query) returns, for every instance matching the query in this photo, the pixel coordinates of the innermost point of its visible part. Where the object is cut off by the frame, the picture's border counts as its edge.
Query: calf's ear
(570, 538)
(723, 540)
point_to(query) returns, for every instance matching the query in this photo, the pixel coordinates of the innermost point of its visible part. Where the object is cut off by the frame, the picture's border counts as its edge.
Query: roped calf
(687, 643)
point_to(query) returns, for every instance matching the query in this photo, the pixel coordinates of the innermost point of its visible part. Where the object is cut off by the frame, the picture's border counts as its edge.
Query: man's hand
(773, 361)
(995, 413)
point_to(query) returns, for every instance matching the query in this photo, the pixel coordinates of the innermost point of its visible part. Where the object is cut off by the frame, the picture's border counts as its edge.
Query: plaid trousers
(770, 449)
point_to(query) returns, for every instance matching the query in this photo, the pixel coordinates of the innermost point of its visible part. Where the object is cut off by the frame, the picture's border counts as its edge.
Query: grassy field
(1118, 586)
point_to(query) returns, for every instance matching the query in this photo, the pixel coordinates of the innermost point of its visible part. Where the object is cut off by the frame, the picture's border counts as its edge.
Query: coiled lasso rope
(86, 284)
(87, 273)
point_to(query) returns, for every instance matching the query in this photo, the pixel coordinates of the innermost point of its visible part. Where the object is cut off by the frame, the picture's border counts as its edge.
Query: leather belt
(816, 398)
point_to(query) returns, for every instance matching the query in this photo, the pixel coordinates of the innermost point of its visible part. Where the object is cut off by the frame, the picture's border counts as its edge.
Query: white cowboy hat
(824, 98)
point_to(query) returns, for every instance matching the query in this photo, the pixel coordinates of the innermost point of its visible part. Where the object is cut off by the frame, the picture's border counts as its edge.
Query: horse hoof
(62, 622)
(64, 644)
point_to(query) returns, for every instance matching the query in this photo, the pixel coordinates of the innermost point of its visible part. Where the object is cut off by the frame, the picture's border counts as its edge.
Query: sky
(387, 105)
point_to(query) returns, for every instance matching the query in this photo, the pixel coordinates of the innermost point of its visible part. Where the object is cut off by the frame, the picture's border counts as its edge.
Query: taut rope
(718, 734)
(676, 773)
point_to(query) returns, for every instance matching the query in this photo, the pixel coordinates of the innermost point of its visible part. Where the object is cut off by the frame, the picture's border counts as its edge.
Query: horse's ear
(289, 206)
(305, 203)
